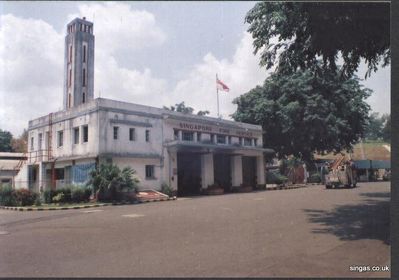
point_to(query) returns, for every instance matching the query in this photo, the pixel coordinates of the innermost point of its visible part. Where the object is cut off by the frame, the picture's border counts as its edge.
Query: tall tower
(78, 63)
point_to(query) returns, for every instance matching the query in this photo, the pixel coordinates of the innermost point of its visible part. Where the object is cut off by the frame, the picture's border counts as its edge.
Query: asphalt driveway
(300, 232)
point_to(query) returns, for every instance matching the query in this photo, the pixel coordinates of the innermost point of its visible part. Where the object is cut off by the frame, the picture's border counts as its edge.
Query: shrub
(275, 178)
(66, 191)
(38, 201)
(48, 196)
(24, 197)
(166, 189)
(59, 198)
(7, 197)
(80, 194)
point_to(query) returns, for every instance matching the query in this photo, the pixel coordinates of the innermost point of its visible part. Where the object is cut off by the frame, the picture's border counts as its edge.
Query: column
(260, 170)
(207, 176)
(173, 170)
(42, 177)
(179, 133)
(195, 136)
(236, 171)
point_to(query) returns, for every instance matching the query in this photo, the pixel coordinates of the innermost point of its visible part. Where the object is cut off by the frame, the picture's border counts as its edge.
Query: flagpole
(217, 93)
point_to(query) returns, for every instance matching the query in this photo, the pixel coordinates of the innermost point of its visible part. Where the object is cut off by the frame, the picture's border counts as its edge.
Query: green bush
(38, 201)
(7, 197)
(66, 191)
(275, 178)
(166, 189)
(24, 197)
(80, 194)
(59, 198)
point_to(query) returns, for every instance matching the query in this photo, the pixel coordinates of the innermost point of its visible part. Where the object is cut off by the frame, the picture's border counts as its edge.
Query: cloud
(30, 72)
(118, 27)
(241, 74)
(31, 59)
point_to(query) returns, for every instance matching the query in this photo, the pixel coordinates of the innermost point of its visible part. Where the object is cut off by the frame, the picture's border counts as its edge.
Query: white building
(188, 152)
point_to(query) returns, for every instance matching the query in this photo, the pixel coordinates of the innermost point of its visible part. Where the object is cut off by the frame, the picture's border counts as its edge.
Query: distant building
(10, 164)
(188, 152)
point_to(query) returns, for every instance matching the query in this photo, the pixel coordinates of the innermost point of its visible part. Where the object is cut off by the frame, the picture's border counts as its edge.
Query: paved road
(301, 232)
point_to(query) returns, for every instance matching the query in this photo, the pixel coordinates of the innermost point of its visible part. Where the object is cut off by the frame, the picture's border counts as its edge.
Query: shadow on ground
(368, 220)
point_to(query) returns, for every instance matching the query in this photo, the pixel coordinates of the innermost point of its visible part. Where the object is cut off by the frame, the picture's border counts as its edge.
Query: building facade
(187, 152)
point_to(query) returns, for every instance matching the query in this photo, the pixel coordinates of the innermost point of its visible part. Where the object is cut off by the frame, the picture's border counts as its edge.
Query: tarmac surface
(305, 232)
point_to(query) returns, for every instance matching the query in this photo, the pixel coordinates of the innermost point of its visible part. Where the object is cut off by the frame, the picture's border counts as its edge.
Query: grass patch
(66, 205)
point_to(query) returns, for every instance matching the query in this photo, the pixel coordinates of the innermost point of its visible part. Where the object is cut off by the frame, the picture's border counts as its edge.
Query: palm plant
(109, 180)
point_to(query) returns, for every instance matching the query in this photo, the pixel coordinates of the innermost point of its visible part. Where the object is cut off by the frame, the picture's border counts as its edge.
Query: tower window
(70, 53)
(70, 78)
(32, 143)
(84, 77)
(69, 100)
(84, 53)
(149, 172)
(116, 130)
(84, 97)
(80, 26)
(39, 146)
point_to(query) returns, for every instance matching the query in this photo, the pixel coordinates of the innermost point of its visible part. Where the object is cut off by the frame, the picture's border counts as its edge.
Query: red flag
(221, 86)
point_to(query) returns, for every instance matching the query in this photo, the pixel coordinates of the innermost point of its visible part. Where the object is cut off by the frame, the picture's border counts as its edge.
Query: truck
(342, 173)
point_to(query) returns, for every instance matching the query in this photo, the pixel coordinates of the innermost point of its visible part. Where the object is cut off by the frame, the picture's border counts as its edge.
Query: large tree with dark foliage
(5, 141)
(182, 108)
(302, 113)
(310, 30)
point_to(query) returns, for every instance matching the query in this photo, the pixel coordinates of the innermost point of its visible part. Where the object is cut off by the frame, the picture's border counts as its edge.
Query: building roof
(9, 155)
(364, 151)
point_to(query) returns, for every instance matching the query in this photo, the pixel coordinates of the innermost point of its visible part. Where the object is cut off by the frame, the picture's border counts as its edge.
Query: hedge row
(20, 197)
(67, 195)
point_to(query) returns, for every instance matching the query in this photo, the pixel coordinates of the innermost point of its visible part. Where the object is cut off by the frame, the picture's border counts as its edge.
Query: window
(69, 100)
(188, 136)
(198, 136)
(32, 143)
(255, 142)
(221, 139)
(132, 134)
(147, 135)
(116, 130)
(81, 27)
(70, 53)
(247, 141)
(84, 97)
(176, 134)
(84, 53)
(70, 78)
(39, 146)
(229, 140)
(84, 77)
(76, 135)
(85, 134)
(60, 138)
(149, 172)
(240, 140)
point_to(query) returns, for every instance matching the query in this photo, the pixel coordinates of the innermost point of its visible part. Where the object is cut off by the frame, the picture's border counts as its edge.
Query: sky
(150, 53)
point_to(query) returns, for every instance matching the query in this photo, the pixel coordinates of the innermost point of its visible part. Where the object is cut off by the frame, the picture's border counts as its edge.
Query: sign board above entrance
(214, 129)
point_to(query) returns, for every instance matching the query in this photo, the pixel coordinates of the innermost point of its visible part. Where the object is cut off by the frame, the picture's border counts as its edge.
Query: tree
(302, 113)
(182, 108)
(312, 30)
(20, 145)
(108, 180)
(5, 141)
(386, 131)
(374, 127)
(203, 113)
